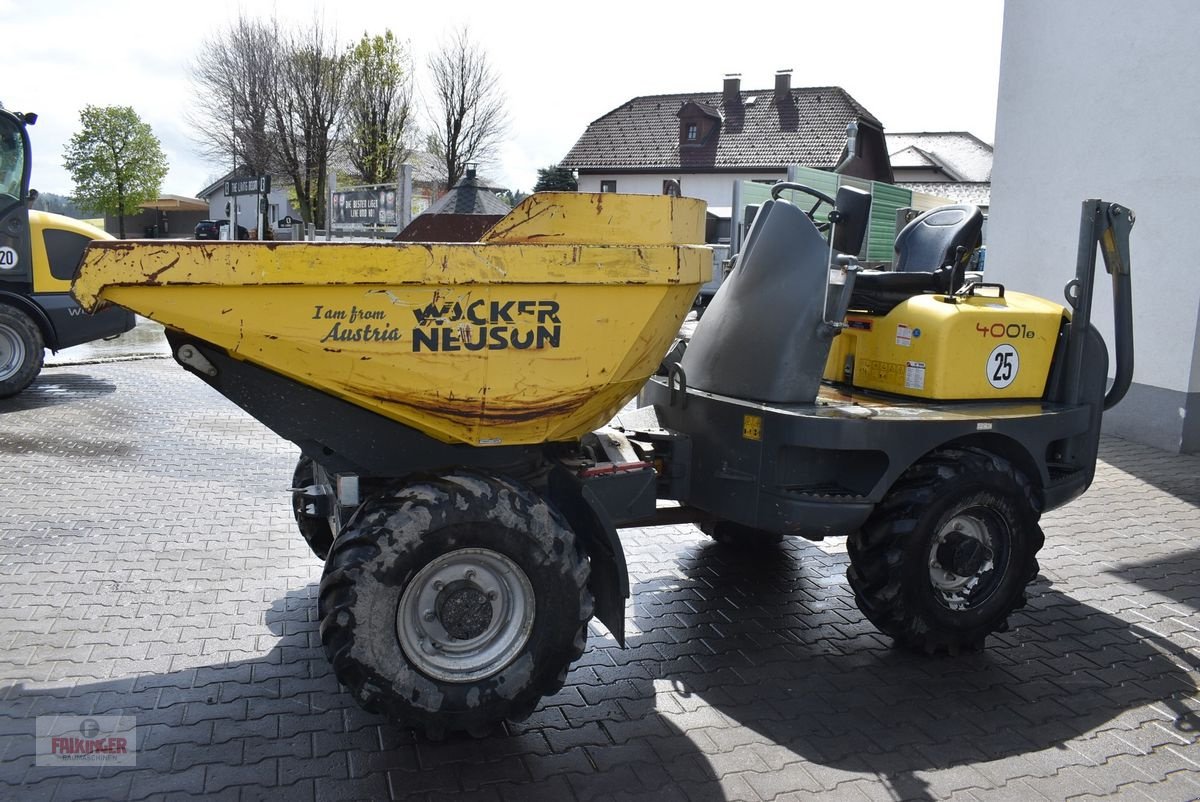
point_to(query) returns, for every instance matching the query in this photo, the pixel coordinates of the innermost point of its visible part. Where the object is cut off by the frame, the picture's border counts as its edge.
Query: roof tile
(643, 133)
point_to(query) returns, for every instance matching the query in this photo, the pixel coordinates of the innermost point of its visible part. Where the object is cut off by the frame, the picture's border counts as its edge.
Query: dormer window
(698, 123)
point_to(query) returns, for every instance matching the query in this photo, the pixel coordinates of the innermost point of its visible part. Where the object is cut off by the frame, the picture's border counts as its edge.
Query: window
(693, 132)
(12, 164)
(64, 249)
(608, 186)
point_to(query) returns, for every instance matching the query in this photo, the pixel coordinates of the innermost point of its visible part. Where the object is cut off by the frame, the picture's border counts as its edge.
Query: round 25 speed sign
(1002, 366)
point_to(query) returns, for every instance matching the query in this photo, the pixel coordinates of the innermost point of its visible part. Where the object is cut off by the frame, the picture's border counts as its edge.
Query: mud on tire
(454, 602)
(946, 556)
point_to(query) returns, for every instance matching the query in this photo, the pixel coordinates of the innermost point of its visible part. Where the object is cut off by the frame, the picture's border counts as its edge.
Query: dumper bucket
(539, 332)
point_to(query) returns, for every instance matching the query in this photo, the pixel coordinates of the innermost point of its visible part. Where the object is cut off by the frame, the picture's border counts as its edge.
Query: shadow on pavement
(1175, 474)
(795, 661)
(751, 648)
(54, 388)
(245, 729)
(1177, 577)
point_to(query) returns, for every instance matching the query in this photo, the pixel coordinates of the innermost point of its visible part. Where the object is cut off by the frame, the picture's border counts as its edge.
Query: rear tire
(946, 556)
(454, 603)
(316, 531)
(22, 350)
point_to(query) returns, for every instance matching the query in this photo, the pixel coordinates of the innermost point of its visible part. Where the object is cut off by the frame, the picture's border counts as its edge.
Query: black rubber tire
(22, 350)
(737, 536)
(382, 549)
(891, 558)
(316, 531)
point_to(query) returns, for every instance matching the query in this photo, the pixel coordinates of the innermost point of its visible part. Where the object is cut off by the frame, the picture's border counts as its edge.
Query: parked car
(211, 229)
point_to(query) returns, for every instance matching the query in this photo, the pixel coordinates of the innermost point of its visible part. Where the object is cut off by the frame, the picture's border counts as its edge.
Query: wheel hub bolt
(430, 615)
(470, 574)
(438, 585)
(962, 555)
(492, 595)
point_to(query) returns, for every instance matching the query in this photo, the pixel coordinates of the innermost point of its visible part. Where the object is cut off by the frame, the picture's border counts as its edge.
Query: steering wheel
(807, 190)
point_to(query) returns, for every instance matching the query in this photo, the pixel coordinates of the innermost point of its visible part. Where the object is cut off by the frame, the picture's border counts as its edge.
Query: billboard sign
(365, 207)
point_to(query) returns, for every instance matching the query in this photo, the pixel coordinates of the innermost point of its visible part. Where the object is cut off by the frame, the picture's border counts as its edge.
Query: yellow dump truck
(458, 478)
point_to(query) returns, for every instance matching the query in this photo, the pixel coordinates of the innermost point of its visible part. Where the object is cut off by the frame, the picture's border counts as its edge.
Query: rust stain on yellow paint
(541, 331)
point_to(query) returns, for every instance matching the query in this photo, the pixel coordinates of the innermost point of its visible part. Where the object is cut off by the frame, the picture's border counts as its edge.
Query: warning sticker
(1002, 366)
(914, 376)
(903, 335)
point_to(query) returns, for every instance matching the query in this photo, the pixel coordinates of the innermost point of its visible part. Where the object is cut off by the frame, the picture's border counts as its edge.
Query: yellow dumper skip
(539, 332)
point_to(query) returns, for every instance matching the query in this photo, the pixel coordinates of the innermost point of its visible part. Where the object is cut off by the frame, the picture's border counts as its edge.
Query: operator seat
(928, 259)
(933, 238)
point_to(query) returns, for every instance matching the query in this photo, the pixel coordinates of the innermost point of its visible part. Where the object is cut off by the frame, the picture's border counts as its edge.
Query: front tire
(454, 603)
(21, 351)
(946, 556)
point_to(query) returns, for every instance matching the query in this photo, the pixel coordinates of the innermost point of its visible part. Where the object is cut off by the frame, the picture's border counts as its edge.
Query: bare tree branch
(307, 112)
(233, 82)
(468, 115)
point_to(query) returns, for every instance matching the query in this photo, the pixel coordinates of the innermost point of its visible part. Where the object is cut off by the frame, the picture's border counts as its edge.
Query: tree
(270, 101)
(233, 83)
(115, 160)
(379, 107)
(307, 113)
(58, 204)
(513, 197)
(556, 179)
(468, 116)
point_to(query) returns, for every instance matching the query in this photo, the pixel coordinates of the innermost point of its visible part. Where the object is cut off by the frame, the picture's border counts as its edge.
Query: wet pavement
(150, 567)
(143, 341)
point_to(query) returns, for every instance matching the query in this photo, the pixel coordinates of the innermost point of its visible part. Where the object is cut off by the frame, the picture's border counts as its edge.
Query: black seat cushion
(877, 292)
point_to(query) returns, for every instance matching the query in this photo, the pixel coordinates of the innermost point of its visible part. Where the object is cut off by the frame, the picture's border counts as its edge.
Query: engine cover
(940, 347)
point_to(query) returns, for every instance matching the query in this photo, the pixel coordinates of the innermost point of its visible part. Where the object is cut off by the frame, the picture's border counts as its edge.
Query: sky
(921, 65)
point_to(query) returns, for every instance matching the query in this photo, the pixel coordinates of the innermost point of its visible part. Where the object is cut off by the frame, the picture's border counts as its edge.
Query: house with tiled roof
(951, 164)
(707, 140)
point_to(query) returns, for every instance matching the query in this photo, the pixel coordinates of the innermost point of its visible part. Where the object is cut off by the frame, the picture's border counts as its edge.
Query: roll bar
(1106, 225)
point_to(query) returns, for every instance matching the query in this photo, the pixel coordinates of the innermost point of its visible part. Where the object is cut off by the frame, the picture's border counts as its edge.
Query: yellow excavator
(39, 253)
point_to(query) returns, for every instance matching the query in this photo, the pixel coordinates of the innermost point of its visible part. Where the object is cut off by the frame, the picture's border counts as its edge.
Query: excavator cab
(14, 188)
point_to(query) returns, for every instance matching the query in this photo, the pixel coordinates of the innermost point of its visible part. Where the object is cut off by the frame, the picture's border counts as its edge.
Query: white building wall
(1101, 99)
(247, 212)
(714, 188)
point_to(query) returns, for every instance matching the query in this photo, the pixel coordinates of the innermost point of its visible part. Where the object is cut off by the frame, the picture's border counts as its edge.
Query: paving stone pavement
(149, 566)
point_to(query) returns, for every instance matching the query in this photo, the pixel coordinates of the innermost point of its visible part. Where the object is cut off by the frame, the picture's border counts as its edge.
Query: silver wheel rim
(12, 352)
(466, 615)
(955, 590)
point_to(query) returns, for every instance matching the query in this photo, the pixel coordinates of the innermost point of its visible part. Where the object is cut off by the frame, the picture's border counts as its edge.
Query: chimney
(732, 93)
(783, 85)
